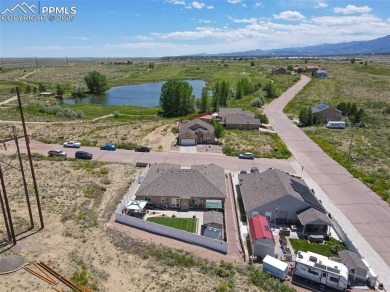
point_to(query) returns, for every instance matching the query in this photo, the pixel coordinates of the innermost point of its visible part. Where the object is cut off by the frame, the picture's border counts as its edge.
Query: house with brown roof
(281, 198)
(169, 186)
(327, 113)
(195, 132)
(312, 68)
(236, 118)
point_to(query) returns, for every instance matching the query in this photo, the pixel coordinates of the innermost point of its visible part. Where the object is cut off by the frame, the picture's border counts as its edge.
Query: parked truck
(275, 267)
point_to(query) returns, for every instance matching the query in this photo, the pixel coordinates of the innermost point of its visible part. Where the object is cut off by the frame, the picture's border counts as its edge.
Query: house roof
(168, 180)
(322, 106)
(212, 217)
(258, 189)
(351, 259)
(321, 71)
(314, 217)
(223, 111)
(186, 127)
(259, 228)
(241, 118)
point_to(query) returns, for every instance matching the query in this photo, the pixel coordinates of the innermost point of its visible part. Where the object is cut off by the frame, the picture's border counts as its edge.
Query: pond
(146, 94)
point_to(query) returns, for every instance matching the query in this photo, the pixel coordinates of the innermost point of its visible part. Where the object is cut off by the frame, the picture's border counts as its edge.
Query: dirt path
(8, 100)
(25, 76)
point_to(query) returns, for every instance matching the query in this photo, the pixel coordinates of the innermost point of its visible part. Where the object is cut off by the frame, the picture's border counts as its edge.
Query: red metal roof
(260, 228)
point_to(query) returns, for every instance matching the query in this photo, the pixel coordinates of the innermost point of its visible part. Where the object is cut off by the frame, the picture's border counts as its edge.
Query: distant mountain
(377, 46)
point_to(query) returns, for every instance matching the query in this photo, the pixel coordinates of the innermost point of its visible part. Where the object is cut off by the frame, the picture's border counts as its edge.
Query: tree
(151, 65)
(252, 63)
(35, 90)
(221, 94)
(78, 91)
(289, 67)
(60, 90)
(28, 89)
(176, 99)
(353, 61)
(269, 89)
(258, 102)
(204, 106)
(218, 129)
(42, 88)
(96, 82)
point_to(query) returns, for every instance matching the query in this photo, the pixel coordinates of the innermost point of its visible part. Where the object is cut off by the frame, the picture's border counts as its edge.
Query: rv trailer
(320, 269)
(275, 267)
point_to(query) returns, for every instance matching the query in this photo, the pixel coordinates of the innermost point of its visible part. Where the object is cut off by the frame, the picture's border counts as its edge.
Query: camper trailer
(335, 125)
(275, 267)
(320, 269)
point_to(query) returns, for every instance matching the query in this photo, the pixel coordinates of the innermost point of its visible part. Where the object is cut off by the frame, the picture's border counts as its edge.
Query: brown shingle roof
(193, 125)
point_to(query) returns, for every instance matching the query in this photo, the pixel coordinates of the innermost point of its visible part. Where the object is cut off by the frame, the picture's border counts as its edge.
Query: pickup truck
(72, 144)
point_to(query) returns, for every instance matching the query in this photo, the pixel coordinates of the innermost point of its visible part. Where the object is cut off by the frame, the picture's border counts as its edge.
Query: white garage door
(187, 142)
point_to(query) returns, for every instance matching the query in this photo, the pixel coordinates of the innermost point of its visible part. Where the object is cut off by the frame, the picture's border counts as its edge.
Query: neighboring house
(213, 225)
(46, 94)
(262, 239)
(327, 113)
(195, 132)
(321, 73)
(282, 199)
(312, 68)
(356, 267)
(169, 186)
(279, 70)
(236, 118)
(296, 68)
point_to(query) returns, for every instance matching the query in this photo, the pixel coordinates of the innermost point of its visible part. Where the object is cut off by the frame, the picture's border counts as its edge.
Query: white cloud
(54, 48)
(176, 2)
(243, 20)
(320, 4)
(81, 38)
(350, 9)
(289, 15)
(210, 7)
(144, 38)
(234, 1)
(244, 5)
(204, 21)
(198, 5)
(257, 4)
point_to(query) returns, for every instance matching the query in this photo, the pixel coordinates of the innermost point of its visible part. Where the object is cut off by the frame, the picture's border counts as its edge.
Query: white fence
(192, 238)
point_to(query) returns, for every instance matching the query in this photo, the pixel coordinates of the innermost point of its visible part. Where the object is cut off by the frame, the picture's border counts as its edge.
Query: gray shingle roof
(212, 217)
(241, 119)
(352, 259)
(258, 189)
(193, 125)
(314, 217)
(168, 180)
(222, 112)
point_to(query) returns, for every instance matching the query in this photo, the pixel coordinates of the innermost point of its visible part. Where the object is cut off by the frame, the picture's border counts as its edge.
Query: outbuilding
(262, 239)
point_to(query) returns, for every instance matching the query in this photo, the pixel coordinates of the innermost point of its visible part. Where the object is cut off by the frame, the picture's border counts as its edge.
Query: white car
(72, 144)
(57, 153)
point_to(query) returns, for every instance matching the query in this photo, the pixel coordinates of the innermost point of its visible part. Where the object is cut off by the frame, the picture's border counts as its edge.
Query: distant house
(46, 94)
(356, 267)
(213, 224)
(236, 118)
(296, 68)
(327, 113)
(195, 132)
(262, 239)
(282, 199)
(321, 73)
(169, 186)
(278, 70)
(312, 68)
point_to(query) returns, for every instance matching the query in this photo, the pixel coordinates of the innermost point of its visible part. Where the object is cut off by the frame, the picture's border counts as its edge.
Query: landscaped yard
(323, 249)
(186, 224)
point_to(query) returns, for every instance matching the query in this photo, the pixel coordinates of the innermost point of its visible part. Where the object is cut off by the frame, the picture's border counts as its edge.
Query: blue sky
(155, 28)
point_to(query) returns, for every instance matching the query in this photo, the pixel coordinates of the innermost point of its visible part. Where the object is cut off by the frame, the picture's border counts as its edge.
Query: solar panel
(321, 106)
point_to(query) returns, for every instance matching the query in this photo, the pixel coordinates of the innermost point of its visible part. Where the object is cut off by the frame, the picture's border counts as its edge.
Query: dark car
(83, 155)
(246, 155)
(142, 149)
(109, 147)
(254, 169)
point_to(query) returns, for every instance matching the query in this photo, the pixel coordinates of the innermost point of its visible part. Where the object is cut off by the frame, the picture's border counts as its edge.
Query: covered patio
(136, 208)
(314, 222)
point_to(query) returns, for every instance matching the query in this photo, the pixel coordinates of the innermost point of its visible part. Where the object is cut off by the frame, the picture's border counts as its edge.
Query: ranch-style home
(282, 199)
(168, 186)
(236, 118)
(327, 113)
(195, 132)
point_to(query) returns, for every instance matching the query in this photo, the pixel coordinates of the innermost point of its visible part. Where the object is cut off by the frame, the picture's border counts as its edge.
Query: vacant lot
(368, 87)
(186, 224)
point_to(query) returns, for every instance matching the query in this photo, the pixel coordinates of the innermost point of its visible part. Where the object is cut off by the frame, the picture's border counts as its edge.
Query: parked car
(83, 155)
(246, 155)
(57, 153)
(142, 149)
(110, 147)
(254, 169)
(72, 144)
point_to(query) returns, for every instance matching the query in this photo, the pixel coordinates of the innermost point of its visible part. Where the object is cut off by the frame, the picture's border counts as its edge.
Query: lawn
(186, 224)
(323, 249)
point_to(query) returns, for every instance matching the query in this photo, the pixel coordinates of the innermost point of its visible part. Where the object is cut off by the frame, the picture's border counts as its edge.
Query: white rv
(335, 125)
(320, 269)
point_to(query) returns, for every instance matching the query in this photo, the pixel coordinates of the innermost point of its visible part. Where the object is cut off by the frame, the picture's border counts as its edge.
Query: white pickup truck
(72, 144)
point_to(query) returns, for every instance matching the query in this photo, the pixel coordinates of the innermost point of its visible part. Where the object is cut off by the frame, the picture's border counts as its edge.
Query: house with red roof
(262, 239)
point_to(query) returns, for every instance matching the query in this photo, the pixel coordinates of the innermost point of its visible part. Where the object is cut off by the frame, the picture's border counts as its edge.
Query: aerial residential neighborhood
(194, 146)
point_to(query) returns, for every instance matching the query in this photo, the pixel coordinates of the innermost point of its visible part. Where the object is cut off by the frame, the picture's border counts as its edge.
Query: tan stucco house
(195, 132)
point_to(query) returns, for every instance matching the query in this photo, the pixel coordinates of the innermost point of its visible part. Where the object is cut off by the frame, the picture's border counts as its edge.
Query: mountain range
(376, 46)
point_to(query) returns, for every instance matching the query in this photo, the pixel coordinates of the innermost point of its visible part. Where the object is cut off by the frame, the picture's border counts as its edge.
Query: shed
(262, 239)
(356, 267)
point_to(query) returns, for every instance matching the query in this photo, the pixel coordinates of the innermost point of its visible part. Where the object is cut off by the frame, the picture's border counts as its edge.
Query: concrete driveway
(361, 212)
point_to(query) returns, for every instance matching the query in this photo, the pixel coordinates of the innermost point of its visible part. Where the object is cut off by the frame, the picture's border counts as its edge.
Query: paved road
(363, 215)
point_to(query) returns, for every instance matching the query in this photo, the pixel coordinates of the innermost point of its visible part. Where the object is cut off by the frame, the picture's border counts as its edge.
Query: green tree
(218, 129)
(60, 90)
(151, 65)
(96, 82)
(35, 90)
(258, 102)
(269, 89)
(252, 63)
(42, 88)
(204, 106)
(176, 99)
(290, 67)
(78, 91)
(221, 94)
(28, 89)
(353, 61)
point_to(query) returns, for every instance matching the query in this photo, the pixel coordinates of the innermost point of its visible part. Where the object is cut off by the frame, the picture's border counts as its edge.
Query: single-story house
(169, 186)
(327, 113)
(195, 132)
(321, 73)
(357, 269)
(278, 70)
(312, 68)
(236, 118)
(282, 199)
(262, 239)
(213, 225)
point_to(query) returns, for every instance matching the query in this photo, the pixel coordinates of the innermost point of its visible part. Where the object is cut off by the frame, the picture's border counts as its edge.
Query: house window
(268, 215)
(147, 199)
(162, 199)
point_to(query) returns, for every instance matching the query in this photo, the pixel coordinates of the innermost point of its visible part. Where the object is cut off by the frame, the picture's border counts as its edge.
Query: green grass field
(323, 249)
(186, 224)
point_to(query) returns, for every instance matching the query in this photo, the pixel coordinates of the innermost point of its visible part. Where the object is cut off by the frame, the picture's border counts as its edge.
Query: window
(334, 280)
(314, 273)
(147, 199)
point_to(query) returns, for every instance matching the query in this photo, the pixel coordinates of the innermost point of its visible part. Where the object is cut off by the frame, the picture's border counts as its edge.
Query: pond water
(146, 94)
